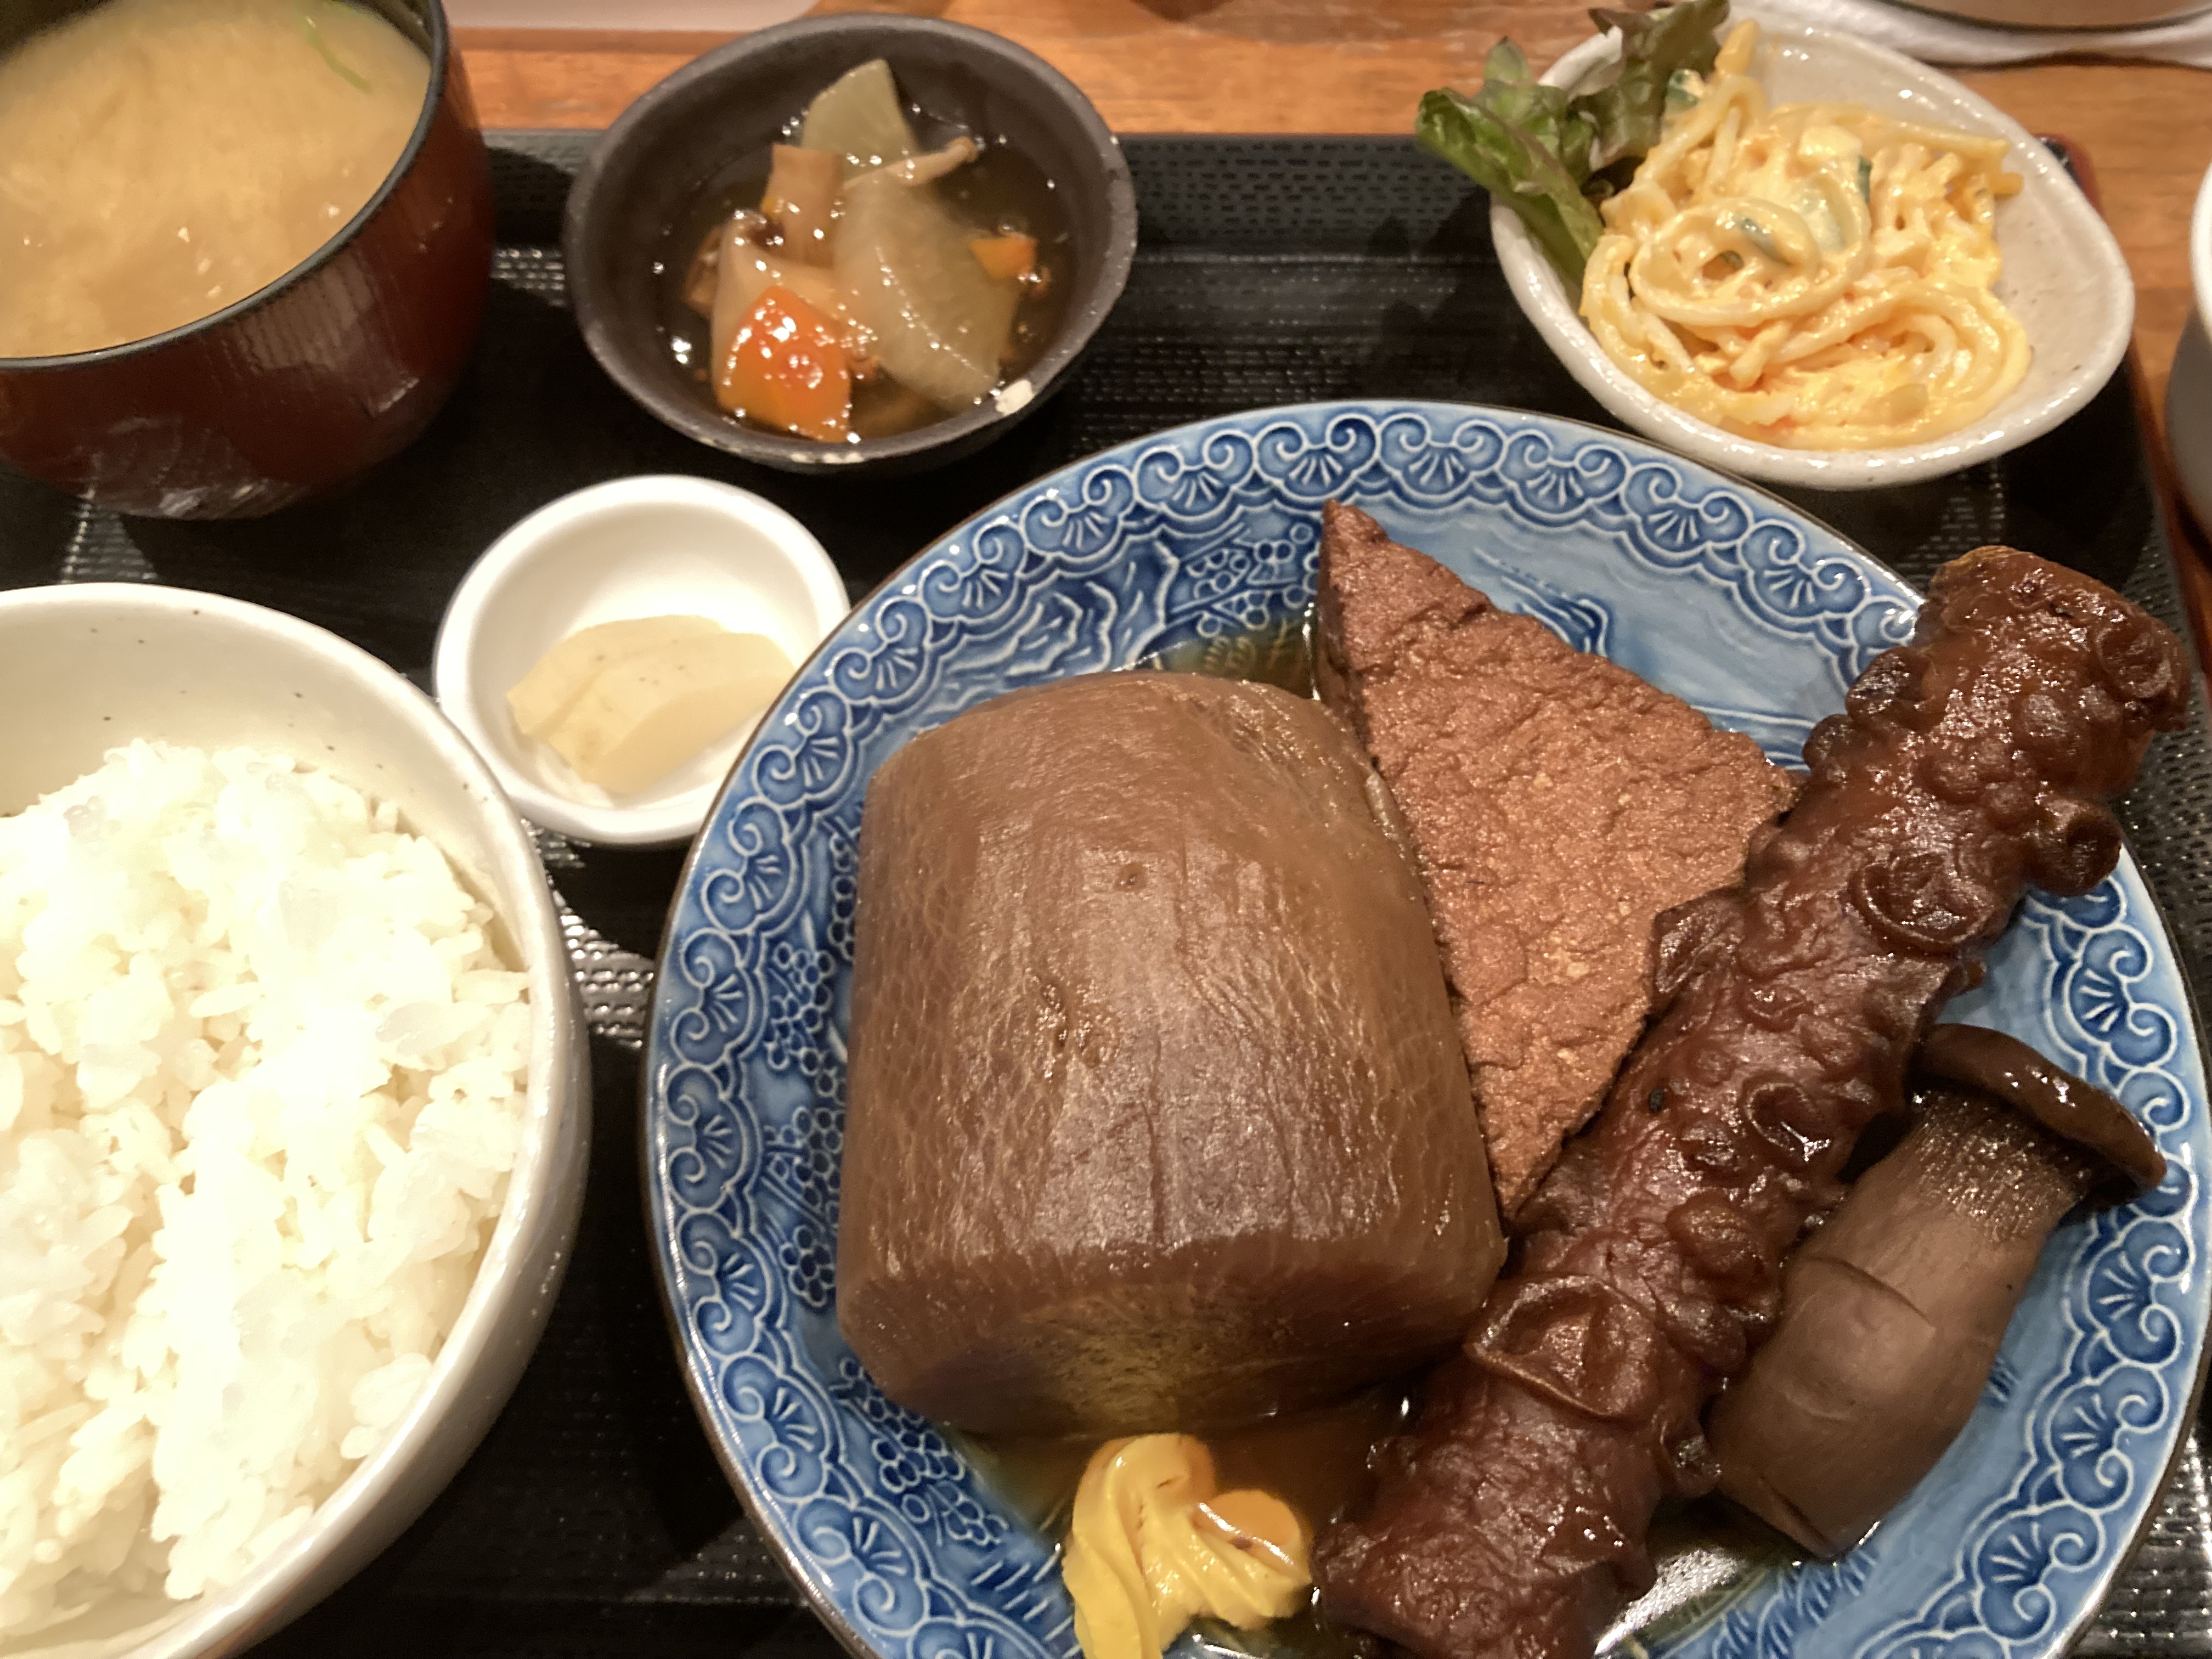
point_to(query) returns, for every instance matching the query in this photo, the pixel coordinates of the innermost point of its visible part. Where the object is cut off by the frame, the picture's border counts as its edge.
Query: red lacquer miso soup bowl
(302, 384)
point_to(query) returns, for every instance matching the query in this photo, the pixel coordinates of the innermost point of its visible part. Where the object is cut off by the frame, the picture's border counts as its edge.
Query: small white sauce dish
(2064, 276)
(635, 547)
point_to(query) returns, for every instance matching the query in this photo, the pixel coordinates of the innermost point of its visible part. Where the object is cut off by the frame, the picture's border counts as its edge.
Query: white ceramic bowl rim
(1541, 294)
(667, 822)
(229, 1616)
(2200, 251)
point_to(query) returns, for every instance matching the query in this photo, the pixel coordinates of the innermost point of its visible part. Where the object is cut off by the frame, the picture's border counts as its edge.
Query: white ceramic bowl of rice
(352, 1110)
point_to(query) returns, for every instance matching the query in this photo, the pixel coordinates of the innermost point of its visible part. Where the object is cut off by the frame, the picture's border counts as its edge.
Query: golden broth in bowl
(161, 160)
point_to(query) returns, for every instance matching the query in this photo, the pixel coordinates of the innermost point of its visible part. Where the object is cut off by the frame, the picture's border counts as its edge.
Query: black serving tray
(595, 1519)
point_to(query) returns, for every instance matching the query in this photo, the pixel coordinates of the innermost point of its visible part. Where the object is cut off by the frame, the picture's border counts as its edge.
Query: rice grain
(261, 1086)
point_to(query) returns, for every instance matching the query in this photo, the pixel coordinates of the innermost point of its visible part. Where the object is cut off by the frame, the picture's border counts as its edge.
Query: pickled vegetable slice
(644, 716)
(554, 683)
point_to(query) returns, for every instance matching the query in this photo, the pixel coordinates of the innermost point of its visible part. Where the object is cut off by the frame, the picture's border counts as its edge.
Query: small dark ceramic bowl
(302, 386)
(673, 143)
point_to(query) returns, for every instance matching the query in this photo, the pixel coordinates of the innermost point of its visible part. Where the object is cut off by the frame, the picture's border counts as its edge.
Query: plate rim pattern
(1186, 538)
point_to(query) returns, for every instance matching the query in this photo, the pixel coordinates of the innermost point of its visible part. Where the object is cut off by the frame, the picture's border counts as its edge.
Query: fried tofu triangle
(1967, 766)
(1559, 806)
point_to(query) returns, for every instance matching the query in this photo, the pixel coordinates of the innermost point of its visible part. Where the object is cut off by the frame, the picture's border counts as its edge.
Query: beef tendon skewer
(1968, 765)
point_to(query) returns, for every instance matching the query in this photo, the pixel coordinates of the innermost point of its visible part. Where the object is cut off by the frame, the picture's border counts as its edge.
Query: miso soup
(161, 160)
(878, 271)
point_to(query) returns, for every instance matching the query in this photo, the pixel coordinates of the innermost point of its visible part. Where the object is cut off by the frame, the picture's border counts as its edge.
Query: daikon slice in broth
(927, 274)
(161, 160)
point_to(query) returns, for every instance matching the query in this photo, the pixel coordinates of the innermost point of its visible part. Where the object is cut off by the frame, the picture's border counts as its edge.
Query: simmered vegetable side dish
(877, 285)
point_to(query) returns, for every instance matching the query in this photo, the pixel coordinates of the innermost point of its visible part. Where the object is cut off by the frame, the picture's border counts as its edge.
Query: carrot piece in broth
(1010, 254)
(786, 368)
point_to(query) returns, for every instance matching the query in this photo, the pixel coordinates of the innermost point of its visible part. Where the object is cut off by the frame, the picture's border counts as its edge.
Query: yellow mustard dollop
(1153, 1545)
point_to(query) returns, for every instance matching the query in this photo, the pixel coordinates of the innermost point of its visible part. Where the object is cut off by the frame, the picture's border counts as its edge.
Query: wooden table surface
(1361, 66)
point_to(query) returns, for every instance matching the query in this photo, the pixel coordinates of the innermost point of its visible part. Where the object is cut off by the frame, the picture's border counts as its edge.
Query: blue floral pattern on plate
(1193, 538)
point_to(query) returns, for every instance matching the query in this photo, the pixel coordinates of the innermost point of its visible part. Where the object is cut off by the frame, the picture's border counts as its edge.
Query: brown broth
(1321, 1463)
(1281, 656)
(1002, 190)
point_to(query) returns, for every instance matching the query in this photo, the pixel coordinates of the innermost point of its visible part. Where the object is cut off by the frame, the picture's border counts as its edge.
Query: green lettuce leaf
(1626, 112)
(1545, 152)
(1520, 142)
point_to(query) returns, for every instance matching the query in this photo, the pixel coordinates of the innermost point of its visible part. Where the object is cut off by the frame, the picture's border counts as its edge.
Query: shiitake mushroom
(1892, 1312)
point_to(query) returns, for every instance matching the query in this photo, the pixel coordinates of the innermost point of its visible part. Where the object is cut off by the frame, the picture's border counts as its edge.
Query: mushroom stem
(1893, 1313)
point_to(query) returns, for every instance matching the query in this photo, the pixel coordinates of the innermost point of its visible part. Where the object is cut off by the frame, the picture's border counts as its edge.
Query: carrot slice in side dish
(1012, 254)
(784, 368)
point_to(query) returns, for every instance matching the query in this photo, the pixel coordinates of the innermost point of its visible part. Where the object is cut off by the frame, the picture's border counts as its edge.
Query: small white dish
(635, 547)
(2189, 389)
(2064, 276)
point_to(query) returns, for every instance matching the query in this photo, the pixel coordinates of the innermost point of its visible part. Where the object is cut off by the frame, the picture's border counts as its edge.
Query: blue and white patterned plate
(1711, 590)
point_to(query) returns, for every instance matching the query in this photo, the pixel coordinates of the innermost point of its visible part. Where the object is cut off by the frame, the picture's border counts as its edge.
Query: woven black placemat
(595, 1520)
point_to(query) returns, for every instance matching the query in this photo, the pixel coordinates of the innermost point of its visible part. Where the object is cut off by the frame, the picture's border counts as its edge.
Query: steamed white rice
(261, 1081)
